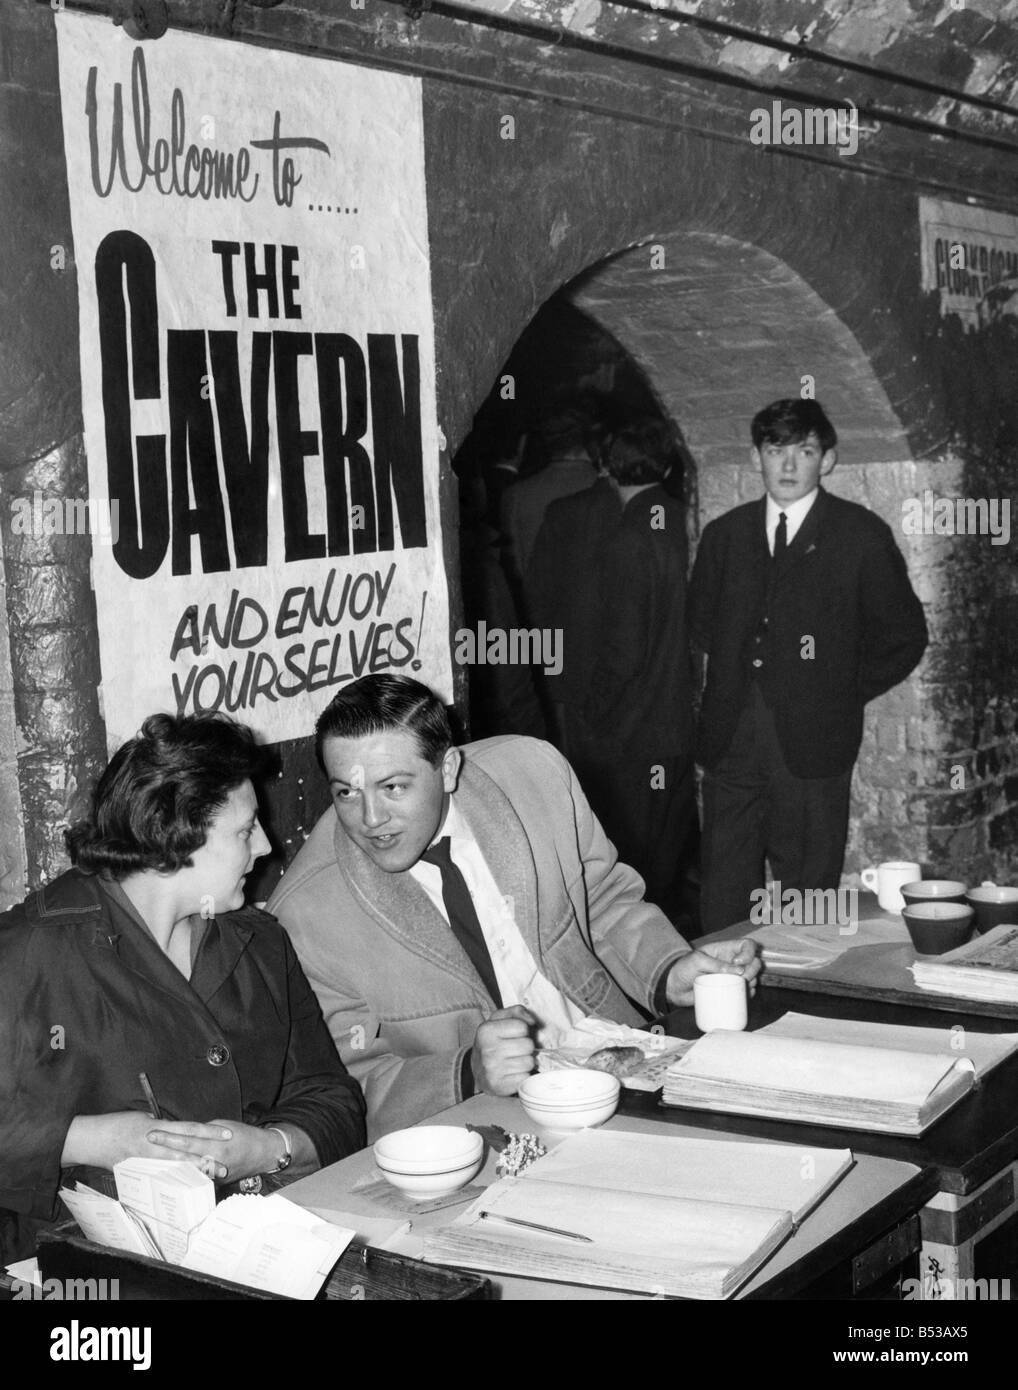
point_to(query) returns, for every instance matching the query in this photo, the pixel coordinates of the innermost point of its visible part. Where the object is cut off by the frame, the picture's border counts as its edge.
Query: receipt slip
(105, 1221)
(171, 1199)
(268, 1243)
(168, 1210)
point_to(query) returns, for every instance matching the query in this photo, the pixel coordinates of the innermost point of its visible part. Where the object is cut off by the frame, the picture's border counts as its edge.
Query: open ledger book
(984, 968)
(691, 1218)
(895, 1078)
(167, 1211)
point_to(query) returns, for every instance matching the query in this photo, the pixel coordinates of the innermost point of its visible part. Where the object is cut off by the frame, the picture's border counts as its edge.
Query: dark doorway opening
(565, 395)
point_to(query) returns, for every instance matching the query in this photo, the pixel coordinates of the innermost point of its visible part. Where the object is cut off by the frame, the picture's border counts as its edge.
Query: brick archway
(720, 327)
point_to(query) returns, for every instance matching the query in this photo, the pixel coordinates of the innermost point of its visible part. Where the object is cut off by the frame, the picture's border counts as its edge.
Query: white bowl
(428, 1148)
(425, 1186)
(568, 1100)
(429, 1160)
(568, 1086)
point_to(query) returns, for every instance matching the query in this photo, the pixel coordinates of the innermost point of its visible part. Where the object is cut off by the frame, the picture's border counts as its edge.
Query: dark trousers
(754, 809)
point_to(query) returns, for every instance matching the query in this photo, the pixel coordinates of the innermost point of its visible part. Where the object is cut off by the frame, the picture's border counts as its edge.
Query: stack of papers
(685, 1217)
(167, 1211)
(789, 949)
(984, 968)
(893, 1078)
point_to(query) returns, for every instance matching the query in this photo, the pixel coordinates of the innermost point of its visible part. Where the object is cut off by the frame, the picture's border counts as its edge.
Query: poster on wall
(257, 375)
(970, 256)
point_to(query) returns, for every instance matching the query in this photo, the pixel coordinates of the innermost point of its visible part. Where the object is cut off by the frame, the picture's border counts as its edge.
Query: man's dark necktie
(462, 916)
(780, 539)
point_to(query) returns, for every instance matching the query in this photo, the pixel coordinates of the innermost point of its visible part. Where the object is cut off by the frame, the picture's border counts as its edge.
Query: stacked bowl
(993, 906)
(936, 914)
(429, 1161)
(569, 1100)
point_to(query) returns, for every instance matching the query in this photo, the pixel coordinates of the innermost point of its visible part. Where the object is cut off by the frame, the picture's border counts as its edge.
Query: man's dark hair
(642, 452)
(566, 429)
(153, 805)
(377, 704)
(790, 422)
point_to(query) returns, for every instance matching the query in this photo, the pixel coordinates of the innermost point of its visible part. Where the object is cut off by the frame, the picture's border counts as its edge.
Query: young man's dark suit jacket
(843, 584)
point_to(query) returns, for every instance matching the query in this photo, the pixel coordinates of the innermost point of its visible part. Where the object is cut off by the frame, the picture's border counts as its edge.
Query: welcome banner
(257, 371)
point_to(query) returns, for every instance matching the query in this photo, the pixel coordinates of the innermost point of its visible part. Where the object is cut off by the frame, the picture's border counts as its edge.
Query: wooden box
(363, 1273)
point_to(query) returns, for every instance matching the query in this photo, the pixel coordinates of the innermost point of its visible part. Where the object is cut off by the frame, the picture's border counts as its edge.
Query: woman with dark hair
(144, 1011)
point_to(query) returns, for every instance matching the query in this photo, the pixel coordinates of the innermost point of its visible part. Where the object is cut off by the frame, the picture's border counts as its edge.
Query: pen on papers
(535, 1226)
(150, 1095)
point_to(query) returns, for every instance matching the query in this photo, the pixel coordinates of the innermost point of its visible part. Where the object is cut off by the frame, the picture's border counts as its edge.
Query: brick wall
(782, 268)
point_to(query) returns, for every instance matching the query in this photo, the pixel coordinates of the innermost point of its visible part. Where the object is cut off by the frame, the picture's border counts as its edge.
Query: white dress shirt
(795, 515)
(519, 980)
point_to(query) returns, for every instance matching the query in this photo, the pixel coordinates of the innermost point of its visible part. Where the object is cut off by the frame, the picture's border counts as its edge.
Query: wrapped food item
(616, 1061)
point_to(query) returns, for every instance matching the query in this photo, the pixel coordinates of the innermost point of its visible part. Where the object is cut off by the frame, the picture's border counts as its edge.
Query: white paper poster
(971, 256)
(258, 381)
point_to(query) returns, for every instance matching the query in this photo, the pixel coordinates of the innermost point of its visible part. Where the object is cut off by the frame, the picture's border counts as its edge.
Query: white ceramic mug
(719, 1001)
(887, 881)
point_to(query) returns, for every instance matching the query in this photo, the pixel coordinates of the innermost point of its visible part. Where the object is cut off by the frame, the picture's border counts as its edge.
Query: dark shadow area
(543, 532)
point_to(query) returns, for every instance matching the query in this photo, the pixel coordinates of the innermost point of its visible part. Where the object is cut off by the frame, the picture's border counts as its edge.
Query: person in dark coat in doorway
(639, 702)
(609, 570)
(564, 592)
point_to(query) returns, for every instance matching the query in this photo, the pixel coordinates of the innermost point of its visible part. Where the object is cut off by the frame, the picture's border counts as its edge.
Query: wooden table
(973, 1149)
(863, 1229)
(879, 972)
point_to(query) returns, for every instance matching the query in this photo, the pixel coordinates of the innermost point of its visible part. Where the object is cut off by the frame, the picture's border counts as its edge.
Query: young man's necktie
(462, 915)
(781, 539)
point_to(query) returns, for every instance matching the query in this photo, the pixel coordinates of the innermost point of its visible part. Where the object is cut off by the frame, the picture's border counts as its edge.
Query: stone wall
(792, 268)
(52, 701)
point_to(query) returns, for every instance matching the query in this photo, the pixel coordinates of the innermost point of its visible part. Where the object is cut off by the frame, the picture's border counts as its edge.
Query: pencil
(150, 1095)
(535, 1226)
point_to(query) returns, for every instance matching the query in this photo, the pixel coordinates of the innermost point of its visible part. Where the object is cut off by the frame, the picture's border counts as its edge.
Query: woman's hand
(100, 1141)
(235, 1150)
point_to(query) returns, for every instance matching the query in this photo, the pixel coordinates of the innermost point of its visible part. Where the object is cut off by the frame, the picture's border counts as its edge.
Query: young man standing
(803, 606)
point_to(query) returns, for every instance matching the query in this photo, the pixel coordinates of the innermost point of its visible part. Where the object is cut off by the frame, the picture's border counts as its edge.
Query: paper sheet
(171, 1199)
(702, 1170)
(268, 1243)
(791, 948)
(984, 1050)
(105, 1221)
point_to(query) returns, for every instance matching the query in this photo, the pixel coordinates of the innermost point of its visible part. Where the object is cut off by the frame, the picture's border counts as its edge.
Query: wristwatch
(287, 1158)
(254, 1183)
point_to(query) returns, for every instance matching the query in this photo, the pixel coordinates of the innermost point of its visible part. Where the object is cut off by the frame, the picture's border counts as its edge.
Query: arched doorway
(717, 327)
